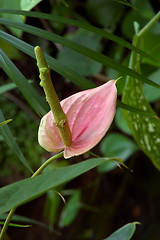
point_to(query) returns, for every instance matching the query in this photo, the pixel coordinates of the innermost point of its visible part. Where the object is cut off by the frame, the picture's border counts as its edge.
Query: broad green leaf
(121, 122)
(151, 45)
(124, 233)
(105, 13)
(5, 122)
(19, 18)
(71, 209)
(151, 93)
(31, 95)
(66, 72)
(29, 4)
(59, 19)
(77, 61)
(106, 61)
(23, 191)
(142, 17)
(8, 137)
(7, 87)
(116, 145)
(145, 129)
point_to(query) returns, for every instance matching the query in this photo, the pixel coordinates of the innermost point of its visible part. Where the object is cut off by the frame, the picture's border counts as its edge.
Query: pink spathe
(89, 113)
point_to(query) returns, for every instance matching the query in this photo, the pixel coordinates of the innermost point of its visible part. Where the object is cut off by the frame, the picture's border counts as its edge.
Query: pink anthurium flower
(89, 113)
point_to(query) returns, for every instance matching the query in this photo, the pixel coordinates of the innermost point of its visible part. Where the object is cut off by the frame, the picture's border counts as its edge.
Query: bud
(89, 113)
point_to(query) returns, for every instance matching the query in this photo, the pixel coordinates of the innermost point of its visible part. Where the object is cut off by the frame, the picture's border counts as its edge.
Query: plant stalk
(149, 25)
(60, 118)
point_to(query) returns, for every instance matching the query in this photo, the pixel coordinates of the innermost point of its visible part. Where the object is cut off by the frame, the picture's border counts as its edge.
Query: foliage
(87, 43)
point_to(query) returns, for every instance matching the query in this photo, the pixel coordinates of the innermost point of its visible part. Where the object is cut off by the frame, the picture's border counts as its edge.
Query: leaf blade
(86, 26)
(26, 190)
(53, 63)
(125, 232)
(8, 137)
(105, 60)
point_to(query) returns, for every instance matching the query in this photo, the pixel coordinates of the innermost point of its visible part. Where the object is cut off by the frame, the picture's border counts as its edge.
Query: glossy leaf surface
(26, 190)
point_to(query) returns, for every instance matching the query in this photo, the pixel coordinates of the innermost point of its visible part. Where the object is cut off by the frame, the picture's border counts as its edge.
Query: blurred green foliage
(105, 199)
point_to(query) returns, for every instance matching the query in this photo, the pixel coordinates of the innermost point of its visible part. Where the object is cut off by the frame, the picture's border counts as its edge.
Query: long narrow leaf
(105, 60)
(66, 72)
(26, 190)
(7, 87)
(5, 122)
(133, 109)
(32, 96)
(8, 137)
(80, 24)
(22, 219)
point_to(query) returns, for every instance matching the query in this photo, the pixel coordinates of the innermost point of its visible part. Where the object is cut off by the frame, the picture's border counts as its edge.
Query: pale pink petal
(48, 134)
(90, 117)
(89, 114)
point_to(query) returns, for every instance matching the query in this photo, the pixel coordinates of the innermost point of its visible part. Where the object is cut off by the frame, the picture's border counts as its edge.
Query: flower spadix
(89, 113)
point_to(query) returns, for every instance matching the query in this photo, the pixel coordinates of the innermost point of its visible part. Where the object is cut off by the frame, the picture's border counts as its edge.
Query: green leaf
(134, 109)
(19, 18)
(15, 225)
(116, 145)
(106, 61)
(7, 87)
(9, 50)
(23, 191)
(8, 137)
(105, 13)
(18, 218)
(125, 2)
(145, 129)
(142, 17)
(29, 4)
(152, 49)
(5, 122)
(66, 72)
(31, 95)
(125, 232)
(77, 61)
(71, 210)
(121, 122)
(151, 93)
(59, 19)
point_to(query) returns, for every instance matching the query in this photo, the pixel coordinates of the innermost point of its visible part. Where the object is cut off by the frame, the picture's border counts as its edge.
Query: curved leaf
(145, 129)
(26, 190)
(66, 72)
(105, 60)
(125, 232)
(86, 26)
(8, 137)
(31, 95)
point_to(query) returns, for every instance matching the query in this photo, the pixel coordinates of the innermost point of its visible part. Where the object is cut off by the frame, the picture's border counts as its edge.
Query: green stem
(60, 119)
(149, 25)
(45, 164)
(5, 226)
(39, 170)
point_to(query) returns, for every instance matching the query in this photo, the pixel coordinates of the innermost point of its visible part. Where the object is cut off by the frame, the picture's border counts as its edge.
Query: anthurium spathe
(89, 113)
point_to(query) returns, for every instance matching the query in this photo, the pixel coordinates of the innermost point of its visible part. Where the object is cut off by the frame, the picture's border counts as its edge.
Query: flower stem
(60, 119)
(46, 163)
(12, 211)
(149, 25)
(5, 226)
